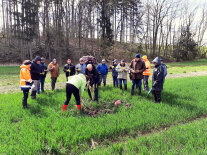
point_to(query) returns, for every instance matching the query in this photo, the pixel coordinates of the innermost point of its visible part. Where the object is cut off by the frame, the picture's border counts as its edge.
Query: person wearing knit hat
(54, 69)
(35, 74)
(25, 81)
(114, 72)
(69, 69)
(137, 67)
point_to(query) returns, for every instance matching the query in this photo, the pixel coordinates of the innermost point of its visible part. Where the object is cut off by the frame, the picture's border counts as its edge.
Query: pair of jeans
(25, 97)
(145, 83)
(71, 89)
(41, 84)
(138, 83)
(124, 81)
(102, 78)
(95, 92)
(115, 81)
(53, 83)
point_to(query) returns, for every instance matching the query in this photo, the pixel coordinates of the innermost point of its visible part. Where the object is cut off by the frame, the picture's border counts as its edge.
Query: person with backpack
(146, 73)
(122, 70)
(69, 69)
(165, 69)
(103, 70)
(75, 85)
(157, 80)
(81, 67)
(54, 69)
(137, 67)
(25, 81)
(43, 75)
(114, 72)
(35, 74)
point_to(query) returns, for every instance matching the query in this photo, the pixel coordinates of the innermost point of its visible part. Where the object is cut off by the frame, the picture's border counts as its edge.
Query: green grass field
(43, 129)
(140, 129)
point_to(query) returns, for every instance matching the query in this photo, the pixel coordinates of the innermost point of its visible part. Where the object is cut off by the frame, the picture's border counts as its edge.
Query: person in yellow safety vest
(146, 73)
(25, 81)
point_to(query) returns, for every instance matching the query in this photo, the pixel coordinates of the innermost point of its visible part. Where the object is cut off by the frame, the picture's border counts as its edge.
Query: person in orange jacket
(25, 81)
(146, 73)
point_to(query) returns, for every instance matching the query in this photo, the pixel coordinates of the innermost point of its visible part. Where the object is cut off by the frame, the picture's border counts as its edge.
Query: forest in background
(172, 29)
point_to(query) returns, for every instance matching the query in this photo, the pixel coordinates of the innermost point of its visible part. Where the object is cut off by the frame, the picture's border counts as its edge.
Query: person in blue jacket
(103, 70)
(43, 75)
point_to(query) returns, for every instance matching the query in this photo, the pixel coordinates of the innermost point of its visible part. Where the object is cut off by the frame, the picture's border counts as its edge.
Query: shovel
(149, 92)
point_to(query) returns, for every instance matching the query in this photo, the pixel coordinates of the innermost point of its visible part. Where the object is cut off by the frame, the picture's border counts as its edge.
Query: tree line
(60, 28)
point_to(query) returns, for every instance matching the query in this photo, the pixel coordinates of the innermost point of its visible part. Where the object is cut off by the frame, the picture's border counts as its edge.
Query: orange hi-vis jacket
(25, 77)
(147, 72)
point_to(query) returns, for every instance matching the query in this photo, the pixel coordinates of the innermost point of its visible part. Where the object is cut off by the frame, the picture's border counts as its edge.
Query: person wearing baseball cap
(69, 69)
(137, 67)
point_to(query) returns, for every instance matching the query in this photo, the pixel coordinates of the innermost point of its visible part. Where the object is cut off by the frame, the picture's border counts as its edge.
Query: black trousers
(71, 89)
(25, 97)
(157, 95)
(95, 92)
(53, 83)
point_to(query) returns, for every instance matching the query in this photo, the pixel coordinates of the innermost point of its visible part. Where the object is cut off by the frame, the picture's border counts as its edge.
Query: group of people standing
(33, 76)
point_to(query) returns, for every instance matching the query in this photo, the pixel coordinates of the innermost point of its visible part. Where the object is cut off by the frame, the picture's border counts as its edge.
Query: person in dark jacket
(165, 69)
(103, 70)
(92, 77)
(69, 69)
(43, 75)
(35, 74)
(137, 68)
(114, 73)
(157, 80)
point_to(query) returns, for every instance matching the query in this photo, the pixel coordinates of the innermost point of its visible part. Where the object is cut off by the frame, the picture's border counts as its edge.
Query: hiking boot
(139, 92)
(132, 92)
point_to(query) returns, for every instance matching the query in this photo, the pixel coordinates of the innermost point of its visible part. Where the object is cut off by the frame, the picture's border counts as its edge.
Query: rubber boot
(121, 87)
(79, 108)
(64, 107)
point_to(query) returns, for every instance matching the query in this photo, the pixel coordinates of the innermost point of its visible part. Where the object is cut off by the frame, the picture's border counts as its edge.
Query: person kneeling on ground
(75, 85)
(122, 70)
(157, 80)
(25, 81)
(93, 78)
